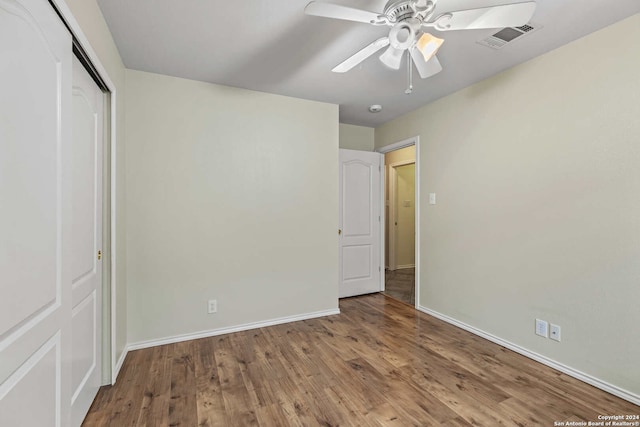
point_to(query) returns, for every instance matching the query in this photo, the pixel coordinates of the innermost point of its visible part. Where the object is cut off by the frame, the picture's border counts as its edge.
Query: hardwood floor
(377, 363)
(401, 285)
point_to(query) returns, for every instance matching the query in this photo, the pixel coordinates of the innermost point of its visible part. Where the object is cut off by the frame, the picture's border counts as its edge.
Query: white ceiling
(272, 46)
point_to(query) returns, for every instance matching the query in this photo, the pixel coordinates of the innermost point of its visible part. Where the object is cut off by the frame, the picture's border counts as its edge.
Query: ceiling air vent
(508, 35)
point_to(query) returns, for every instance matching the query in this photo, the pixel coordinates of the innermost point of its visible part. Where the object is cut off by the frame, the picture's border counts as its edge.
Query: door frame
(414, 140)
(109, 211)
(393, 178)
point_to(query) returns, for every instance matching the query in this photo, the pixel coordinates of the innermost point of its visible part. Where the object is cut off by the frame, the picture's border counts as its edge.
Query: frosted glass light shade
(392, 57)
(428, 45)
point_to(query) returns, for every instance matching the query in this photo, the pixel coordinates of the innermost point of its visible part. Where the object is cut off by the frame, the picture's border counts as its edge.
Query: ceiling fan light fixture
(428, 45)
(392, 57)
(409, 19)
(403, 34)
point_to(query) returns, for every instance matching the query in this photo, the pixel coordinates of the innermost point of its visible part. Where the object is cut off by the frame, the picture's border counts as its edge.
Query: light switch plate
(212, 306)
(542, 328)
(432, 198)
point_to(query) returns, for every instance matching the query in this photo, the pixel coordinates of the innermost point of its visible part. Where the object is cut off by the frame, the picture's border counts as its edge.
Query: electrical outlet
(554, 332)
(212, 306)
(542, 328)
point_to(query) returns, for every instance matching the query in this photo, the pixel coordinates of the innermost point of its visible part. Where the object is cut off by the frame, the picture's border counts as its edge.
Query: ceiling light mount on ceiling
(409, 19)
(375, 108)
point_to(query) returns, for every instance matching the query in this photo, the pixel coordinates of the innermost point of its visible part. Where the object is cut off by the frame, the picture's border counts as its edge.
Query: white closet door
(86, 264)
(35, 215)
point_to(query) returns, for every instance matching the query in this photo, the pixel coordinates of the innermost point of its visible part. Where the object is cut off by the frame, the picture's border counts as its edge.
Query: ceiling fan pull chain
(410, 75)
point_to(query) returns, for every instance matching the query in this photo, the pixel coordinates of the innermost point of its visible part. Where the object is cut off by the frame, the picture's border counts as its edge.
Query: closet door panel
(35, 219)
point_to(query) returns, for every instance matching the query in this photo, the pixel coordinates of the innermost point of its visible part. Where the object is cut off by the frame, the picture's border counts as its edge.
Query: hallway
(401, 285)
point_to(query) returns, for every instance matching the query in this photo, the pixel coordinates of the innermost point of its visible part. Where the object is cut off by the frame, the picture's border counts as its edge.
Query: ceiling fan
(409, 19)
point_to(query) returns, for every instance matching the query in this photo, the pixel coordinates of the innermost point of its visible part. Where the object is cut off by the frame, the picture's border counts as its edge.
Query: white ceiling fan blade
(392, 57)
(508, 15)
(361, 55)
(336, 11)
(425, 68)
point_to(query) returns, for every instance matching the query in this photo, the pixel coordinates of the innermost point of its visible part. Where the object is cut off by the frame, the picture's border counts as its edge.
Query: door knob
(339, 232)
(99, 255)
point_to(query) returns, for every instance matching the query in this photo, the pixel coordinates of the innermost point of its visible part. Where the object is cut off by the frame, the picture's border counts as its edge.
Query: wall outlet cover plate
(554, 332)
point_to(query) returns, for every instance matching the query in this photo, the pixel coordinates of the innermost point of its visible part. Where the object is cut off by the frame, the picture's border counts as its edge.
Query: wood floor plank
(155, 403)
(228, 368)
(183, 410)
(456, 422)
(388, 415)
(239, 407)
(347, 405)
(127, 395)
(209, 401)
(427, 407)
(378, 363)
(272, 415)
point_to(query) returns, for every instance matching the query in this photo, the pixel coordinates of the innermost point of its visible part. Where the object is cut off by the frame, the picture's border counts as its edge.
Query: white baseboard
(230, 329)
(589, 379)
(401, 267)
(116, 369)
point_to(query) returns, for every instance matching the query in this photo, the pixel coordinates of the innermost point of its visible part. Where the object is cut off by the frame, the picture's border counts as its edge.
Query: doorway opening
(401, 202)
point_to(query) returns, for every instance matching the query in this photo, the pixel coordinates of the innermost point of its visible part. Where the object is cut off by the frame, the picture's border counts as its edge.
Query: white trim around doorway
(415, 140)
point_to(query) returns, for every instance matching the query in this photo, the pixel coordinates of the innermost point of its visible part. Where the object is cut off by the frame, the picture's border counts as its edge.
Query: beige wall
(403, 154)
(231, 195)
(90, 19)
(537, 174)
(356, 137)
(405, 203)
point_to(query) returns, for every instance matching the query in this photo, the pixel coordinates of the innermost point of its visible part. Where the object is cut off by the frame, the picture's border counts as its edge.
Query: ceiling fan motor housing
(402, 10)
(407, 16)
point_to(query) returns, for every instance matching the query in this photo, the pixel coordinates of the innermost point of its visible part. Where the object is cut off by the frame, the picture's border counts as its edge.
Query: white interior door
(360, 222)
(86, 325)
(35, 216)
